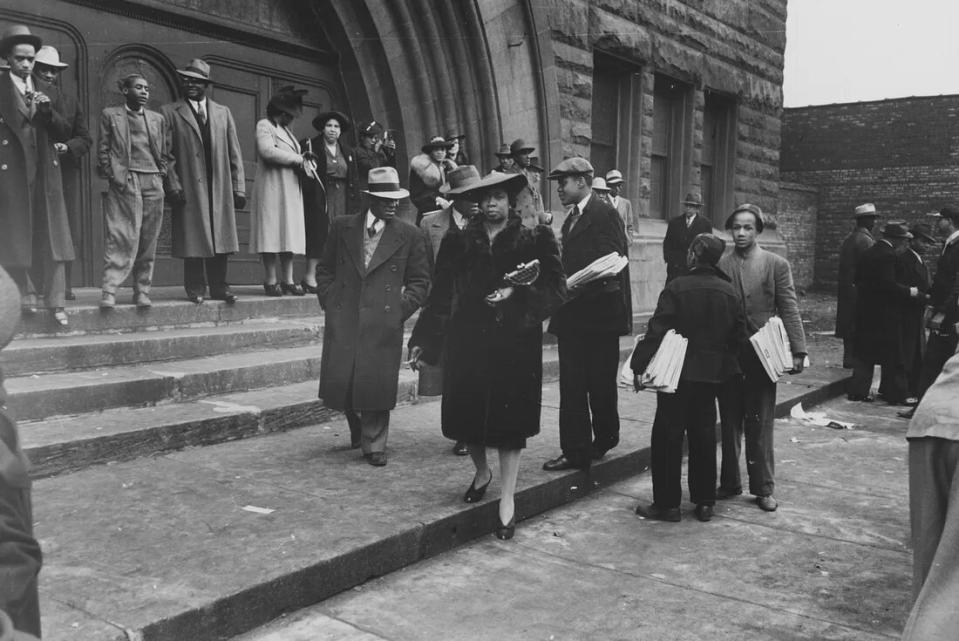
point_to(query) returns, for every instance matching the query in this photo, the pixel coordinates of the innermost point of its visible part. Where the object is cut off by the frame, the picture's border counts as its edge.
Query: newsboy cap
(707, 248)
(747, 208)
(571, 167)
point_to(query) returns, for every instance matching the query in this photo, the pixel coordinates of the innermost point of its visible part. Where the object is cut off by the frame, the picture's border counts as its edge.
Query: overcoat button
(5, 143)
(387, 308)
(389, 287)
(392, 268)
(55, 163)
(3, 167)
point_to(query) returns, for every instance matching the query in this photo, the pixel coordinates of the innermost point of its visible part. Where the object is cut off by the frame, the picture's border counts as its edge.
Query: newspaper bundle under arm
(663, 372)
(771, 344)
(609, 265)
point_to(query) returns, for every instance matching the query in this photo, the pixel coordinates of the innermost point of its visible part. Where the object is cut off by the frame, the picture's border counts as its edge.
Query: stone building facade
(679, 95)
(901, 154)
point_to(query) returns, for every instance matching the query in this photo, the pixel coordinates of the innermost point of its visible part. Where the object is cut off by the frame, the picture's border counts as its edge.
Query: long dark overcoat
(366, 308)
(493, 372)
(18, 154)
(315, 212)
(912, 271)
(879, 301)
(849, 254)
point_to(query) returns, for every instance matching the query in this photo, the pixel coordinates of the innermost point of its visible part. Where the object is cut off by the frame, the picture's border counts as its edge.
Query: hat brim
(512, 183)
(692, 203)
(615, 181)
(194, 75)
(320, 121)
(868, 214)
(55, 65)
(446, 189)
(9, 43)
(924, 236)
(522, 150)
(398, 194)
(559, 175)
(428, 147)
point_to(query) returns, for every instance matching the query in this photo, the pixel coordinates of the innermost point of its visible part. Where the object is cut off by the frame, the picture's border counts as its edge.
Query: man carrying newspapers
(695, 335)
(778, 345)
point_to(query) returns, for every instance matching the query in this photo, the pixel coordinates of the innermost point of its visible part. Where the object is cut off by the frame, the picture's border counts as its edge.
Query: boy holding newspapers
(691, 348)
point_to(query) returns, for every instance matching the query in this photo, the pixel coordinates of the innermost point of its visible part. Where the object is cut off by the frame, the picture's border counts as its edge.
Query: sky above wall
(856, 50)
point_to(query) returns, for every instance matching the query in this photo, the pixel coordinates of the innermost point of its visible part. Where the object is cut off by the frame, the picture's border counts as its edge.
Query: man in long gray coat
(374, 273)
(206, 184)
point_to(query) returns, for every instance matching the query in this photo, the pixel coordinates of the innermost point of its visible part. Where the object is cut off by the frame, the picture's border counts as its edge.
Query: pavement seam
(355, 626)
(573, 563)
(131, 635)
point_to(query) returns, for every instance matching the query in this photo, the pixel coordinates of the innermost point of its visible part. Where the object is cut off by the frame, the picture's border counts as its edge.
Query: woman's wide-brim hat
(436, 142)
(289, 100)
(50, 57)
(384, 182)
(345, 123)
(512, 184)
(15, 35)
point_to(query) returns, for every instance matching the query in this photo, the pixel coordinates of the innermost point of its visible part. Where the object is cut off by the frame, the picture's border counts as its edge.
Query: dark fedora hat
(320, 121)
(288, 99)
(694, 199)
(922, 231)
(896, 230)
(519, 146)
(196, 68)
(15, 35)
(452, 135)
(460, 180)
(748, 208)
(436, 142)
(948, 212)
(504, 151)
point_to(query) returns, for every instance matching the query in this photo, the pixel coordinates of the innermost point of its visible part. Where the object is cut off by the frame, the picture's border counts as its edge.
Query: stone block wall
(902, 155)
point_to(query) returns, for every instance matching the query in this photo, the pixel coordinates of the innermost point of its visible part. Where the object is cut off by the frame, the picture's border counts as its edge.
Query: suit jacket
(850, 252)
(435, 225)
(366, 307)
(207, 165)
(764, 282)
(881, 297)
(703, 307)
(944, 293)
(113, 144)
(603, 306)
(677, 240)
(30, 165)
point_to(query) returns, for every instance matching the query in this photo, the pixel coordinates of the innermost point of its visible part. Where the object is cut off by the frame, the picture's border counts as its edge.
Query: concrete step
(41, 396)
(209, 542)
(170, 309)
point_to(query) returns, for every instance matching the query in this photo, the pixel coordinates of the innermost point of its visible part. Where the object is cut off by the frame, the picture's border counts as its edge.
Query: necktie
(572, 219)
(371, 230)
(201, 113)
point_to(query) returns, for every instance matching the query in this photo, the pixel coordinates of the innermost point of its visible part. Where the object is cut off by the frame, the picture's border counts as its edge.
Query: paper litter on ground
(818, 418)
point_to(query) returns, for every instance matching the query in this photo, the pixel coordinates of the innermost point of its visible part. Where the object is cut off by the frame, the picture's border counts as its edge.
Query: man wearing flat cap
(853, 246)
(880, 299)
(911, 271)
(374, 273)
(680, 232)
(377, 149)
(589, 324)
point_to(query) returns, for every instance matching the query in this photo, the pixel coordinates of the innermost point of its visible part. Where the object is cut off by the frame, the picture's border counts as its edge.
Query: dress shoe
(561, 463)
(723, 493)
(656, 513)
(292, 288)
(28, 310)
(862, 399)
(505, 532)
(599, 452)
(704, 513)
(142, 301)
(60, 317)
(767, 503)
(107, 301)
(227, 297)
(195, 298)
(69, 295)
(906, 413)
(309, 289)
(475, 494)
(272, 289)
(460, 449)
(376, 459)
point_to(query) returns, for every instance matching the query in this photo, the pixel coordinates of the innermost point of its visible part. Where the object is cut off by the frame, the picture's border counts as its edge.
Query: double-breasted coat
(849, 254)
(880, 298)
(276, 208)
(208, 167)
(493, 370)
(30, 165)
(365, 308)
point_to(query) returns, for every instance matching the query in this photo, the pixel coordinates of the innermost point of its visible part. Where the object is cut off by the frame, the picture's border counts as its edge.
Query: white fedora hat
(384, 182)
(50, 57)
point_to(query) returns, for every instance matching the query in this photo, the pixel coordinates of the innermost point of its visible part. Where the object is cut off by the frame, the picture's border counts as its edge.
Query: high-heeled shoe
(309, 289)
(505, 532)
(475, 494)
(292, 288)
(272, 289)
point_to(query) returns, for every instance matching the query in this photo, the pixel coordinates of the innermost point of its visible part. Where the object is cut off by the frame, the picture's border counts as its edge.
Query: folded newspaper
(609, 265)
(771, 344)
(662, 373)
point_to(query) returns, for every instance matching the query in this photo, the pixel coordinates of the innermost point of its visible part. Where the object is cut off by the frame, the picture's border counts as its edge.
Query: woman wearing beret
(334, 194)
(493, 374)
(276, 211)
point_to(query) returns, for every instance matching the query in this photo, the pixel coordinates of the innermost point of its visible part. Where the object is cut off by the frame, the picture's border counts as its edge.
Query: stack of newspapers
(609, 265)
(662, 373)
(772, 347)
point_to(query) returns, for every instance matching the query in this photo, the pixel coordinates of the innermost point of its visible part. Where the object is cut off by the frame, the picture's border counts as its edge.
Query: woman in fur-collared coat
(493, 373)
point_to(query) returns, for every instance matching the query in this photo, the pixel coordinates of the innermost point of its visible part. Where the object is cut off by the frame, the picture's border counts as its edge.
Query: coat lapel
(389, 243)
(585, 220)
(183, 109)
(352, 238)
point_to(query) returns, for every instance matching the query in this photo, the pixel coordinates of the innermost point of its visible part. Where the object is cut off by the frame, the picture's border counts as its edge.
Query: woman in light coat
(276, 214)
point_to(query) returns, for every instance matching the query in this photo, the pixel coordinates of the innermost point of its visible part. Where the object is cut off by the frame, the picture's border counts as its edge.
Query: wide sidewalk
(213, 541)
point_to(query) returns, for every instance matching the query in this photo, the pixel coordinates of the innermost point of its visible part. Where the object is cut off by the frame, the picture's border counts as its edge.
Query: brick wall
(902, 155)
(798, 208)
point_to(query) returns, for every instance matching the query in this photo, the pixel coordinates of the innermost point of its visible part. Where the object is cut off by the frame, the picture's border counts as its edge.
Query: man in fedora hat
(457, 153)
(589, 325)
(206, 182)
(374, 273)
(680, 232)
(853, 246)
(46, 72)
(880, 297)
(36, 240)
(427, 174)
(505, 157)
(911, 271)
(377, 149)
(529, 201)
(614, 180)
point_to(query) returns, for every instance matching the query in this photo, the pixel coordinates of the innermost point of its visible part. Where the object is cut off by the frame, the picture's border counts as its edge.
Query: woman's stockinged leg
(269, 268)
(508, 472)
(483, 473)
(286, 266)
(310, 276)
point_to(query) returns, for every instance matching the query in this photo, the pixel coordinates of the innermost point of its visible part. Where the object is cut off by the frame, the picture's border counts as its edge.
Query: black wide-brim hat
(511, 183)
(288, 100)
(345, 123)
(436, 142)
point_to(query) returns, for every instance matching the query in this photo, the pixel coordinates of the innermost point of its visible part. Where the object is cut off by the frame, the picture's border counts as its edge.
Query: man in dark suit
(374, 273)
(858, 241)
(46, 71)
(680, 232)
(911, 271)
(207, 185)
(880, 298)
(589, 325)
(704, 308)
